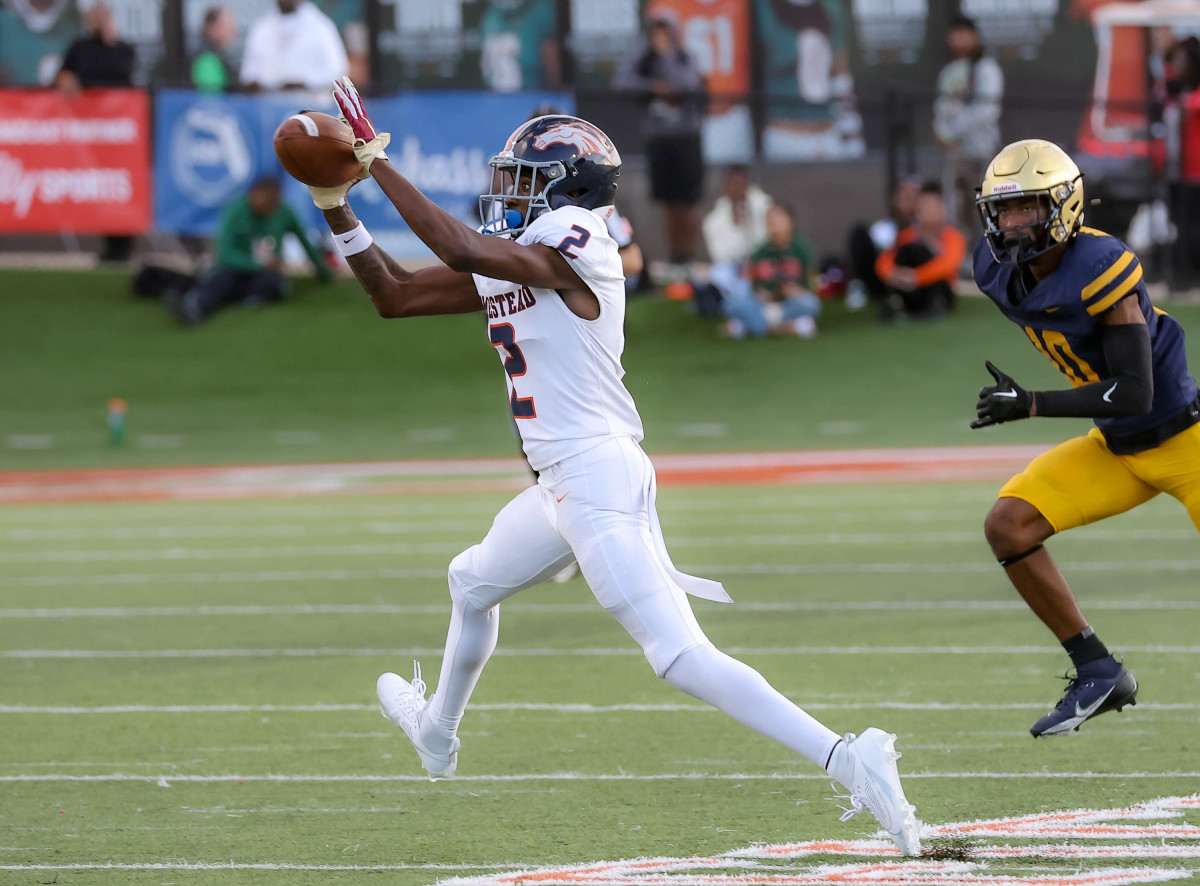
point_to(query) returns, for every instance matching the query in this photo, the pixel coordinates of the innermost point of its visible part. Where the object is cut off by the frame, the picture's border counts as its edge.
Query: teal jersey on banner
(32, 47)
(513, 33)
(798, 40)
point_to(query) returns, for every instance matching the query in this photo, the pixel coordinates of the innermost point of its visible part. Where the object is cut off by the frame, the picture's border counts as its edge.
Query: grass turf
(323, 378)
(268, 621)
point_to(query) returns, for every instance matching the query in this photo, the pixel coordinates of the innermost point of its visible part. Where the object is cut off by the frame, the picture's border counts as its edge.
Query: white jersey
(564, 372)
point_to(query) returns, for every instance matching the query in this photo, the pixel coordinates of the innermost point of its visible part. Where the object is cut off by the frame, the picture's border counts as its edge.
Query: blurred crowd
(743, 255)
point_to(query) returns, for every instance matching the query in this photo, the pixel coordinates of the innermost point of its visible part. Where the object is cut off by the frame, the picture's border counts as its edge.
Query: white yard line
(331, 575)
(568, 652)
(172, 778)
(246, 866)
(564, 608)
(571, 708)
(226, 530)
(282, 575)
(375, 526)
(266, 552)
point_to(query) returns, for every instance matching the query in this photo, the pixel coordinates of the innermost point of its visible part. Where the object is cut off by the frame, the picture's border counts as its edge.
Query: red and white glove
(368, 144)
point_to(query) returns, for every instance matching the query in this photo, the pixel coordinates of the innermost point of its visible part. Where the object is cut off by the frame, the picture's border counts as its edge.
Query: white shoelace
(418, 689)
(848, 812)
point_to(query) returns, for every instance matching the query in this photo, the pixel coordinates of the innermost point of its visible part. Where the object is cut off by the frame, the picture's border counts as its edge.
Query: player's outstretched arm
(397, 292)
(461, 248)
(468, 251)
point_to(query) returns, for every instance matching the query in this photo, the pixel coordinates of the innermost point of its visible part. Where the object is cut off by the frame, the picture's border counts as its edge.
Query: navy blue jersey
(1061, 316)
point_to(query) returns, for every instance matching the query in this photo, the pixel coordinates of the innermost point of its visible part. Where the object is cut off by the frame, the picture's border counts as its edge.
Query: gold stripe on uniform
(1117, 294)
(1037, 343)
(1108, 276)
(1061, 353)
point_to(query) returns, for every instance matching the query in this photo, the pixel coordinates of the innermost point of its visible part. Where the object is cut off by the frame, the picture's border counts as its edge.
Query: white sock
(841, 767)
(737, 689)
(470, 642)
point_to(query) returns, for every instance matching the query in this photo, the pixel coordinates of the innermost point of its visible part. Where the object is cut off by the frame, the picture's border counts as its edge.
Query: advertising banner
(80, 165)
(208, 150)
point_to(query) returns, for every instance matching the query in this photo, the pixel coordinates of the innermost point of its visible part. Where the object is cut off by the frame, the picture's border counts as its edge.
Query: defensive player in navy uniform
(546, 272)
(1079, 296)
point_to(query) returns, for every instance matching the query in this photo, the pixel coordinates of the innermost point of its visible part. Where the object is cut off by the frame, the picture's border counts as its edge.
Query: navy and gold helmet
(1032, 168)
(548, 162)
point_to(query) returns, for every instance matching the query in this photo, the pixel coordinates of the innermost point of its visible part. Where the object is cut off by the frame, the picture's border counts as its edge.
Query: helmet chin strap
(1023, 244)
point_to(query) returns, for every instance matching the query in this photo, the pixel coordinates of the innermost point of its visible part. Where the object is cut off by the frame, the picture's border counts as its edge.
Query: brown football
(317, 149)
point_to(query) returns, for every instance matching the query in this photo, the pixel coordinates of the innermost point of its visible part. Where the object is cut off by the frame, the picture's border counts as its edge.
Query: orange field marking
(439, 477)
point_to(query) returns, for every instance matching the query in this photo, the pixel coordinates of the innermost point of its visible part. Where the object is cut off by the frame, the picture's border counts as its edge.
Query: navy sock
(1085, 648)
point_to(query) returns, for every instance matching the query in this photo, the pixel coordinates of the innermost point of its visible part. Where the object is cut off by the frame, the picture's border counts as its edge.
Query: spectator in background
(733, 229)
(670, 86)
(358, 51)
(294, 47)
(775, 295)
(249, 246)
(1182, 116)
(737, 223)
(213, 69)
(966, 118)
(866, 243)
(922, 267)
(99, 59)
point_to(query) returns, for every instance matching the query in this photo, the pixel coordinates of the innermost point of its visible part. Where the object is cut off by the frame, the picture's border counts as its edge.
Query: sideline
(442, 476)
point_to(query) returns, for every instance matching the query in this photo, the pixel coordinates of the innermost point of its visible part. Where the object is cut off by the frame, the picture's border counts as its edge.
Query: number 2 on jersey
(503, 335)
(582, 235)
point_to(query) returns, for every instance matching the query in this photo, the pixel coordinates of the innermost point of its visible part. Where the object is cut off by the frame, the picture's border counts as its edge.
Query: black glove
(1004, 401)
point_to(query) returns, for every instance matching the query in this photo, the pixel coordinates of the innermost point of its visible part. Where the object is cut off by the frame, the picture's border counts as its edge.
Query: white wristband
(354, 241)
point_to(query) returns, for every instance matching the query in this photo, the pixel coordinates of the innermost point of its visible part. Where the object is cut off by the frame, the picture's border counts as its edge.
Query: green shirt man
(252, 229)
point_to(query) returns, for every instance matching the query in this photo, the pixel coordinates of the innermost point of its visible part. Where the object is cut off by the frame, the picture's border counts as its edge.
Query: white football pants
(598, 508)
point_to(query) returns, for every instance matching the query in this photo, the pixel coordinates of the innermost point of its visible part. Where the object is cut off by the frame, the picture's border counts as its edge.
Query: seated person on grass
(249, 260)
(775, 295)
(921, 269)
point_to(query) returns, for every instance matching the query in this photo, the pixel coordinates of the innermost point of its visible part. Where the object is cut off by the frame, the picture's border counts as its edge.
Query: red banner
(80, 164)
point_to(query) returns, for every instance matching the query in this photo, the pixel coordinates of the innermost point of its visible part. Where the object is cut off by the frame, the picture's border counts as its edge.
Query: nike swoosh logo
(1012, 394)
(1107, 398)
(564, 495)
(1084, 713)
(1051, 310)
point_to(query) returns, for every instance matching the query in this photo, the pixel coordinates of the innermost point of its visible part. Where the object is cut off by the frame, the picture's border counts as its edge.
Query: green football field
(187, 687)
(188, 697)
(323, 378)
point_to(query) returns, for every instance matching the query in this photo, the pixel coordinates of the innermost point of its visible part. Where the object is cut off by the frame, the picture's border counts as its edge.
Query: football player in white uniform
(545, 271)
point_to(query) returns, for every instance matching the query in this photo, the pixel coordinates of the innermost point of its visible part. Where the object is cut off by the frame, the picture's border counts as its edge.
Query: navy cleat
(1092, 690)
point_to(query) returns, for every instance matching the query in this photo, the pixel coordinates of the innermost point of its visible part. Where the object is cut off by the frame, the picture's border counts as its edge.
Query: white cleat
(871, 776)
(403, 703)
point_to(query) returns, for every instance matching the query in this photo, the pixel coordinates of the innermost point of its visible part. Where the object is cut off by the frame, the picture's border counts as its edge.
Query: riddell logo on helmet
(572, 134)
(1006, 188)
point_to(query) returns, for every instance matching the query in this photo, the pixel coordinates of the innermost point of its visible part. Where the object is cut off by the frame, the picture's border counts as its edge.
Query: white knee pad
(461, 580)
(468, 589)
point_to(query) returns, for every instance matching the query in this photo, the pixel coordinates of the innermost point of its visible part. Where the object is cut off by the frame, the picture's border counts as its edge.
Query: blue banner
(208, 149)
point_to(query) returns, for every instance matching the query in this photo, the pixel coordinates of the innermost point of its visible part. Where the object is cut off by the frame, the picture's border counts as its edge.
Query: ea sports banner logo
(584, 137)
